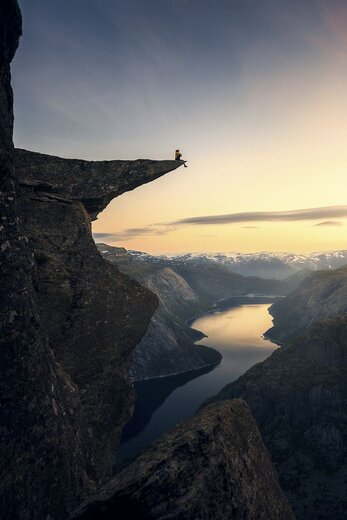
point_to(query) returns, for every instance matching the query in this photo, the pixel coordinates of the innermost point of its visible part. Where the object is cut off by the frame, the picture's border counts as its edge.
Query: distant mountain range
(263, 265)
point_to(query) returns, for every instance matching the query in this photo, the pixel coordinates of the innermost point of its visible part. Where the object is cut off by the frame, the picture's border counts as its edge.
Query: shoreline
(181, 372)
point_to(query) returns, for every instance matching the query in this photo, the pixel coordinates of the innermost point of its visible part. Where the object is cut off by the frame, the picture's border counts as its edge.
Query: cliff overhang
(94, 183)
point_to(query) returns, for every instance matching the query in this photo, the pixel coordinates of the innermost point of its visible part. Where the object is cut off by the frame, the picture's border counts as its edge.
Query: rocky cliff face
(92, 183)
(92, 314)
(321, 295)
(299, 399)
(231, 478)
(35, 424)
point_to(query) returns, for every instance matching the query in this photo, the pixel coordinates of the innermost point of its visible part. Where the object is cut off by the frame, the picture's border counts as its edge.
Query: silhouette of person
(178, 157)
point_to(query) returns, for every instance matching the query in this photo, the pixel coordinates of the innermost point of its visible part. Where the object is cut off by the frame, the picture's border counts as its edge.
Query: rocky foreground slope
(231, 477)
(299, 399)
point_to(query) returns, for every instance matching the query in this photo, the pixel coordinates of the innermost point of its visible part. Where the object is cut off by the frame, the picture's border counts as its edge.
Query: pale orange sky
(281, 147)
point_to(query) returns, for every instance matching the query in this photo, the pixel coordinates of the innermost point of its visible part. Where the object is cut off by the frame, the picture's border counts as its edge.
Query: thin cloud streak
(266, 216)
(328, 223)
(103, 235)
(233, 218)
(130, 233)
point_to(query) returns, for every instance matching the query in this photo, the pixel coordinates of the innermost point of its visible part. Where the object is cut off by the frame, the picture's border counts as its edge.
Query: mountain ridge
(263, 264)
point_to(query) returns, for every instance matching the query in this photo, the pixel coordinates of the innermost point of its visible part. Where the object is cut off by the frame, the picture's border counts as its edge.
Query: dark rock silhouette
(86, 305)
(92, 315)
(214, 466)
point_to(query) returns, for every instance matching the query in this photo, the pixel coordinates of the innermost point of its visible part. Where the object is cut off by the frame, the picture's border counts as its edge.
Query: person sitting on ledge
(178, 157)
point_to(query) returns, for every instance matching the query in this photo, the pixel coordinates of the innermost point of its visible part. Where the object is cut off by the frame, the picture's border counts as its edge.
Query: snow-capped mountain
(264, 264)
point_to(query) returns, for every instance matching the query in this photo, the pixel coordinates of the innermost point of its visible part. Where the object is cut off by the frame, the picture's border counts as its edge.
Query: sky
(253, 92)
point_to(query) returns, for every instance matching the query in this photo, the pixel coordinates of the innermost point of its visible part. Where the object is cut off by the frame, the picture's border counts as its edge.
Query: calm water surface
(237, 334)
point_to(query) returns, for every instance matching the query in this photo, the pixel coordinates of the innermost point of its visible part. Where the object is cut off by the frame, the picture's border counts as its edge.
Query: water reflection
(237, 334)
(151, 394)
